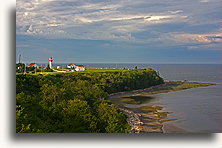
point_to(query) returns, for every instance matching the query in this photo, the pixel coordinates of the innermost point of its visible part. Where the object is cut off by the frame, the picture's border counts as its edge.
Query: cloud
(204, 1)
(75, 19)
(213, 46)
(192, 38)
(116, 20)
(209, 41)
(176, 11)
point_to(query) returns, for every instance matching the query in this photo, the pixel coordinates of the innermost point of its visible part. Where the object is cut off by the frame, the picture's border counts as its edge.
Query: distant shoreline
(162, 88)
(148, 119)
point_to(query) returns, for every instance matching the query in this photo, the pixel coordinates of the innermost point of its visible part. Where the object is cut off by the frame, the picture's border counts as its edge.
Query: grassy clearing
(86, 71)
(105, 70)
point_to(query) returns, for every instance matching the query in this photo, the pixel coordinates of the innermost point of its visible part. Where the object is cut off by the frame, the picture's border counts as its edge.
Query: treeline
(22, 68)
(76, 102)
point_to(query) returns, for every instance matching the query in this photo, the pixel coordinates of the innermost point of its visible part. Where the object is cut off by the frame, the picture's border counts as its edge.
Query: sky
(119, 31)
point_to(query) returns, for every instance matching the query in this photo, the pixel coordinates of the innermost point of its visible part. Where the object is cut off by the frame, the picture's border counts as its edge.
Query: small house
(71, 66)
(33, 65)
(80, 68)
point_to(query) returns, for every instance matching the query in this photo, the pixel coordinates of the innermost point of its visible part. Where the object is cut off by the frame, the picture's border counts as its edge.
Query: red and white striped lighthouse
(50, 62)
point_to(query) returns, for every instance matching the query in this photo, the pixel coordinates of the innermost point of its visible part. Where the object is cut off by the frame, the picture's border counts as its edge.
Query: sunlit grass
(86, 71)
(107, 70)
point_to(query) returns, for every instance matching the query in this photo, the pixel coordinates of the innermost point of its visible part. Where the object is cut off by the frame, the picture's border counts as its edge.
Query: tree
(78, 112)
(76, 102)
(21, 125)
(111, 119)
(20, 67)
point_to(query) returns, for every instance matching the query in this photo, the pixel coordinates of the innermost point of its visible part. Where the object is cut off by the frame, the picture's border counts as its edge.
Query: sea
(196, 110)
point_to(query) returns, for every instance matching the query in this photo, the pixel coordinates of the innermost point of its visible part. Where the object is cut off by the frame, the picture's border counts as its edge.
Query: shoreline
(161, 88)
(148, 119)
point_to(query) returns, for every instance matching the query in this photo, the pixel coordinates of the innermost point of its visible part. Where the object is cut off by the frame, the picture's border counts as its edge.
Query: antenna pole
(19, 58)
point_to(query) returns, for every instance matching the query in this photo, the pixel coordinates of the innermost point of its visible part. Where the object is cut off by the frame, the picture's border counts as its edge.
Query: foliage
(76, 102)
(20, 67)
(47, 67)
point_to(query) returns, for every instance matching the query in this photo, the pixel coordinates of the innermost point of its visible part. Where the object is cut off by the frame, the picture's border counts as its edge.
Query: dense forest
(76, 102)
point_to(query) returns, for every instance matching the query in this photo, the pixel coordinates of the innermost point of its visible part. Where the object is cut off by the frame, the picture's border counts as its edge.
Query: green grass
(86, 71)
(105, 70)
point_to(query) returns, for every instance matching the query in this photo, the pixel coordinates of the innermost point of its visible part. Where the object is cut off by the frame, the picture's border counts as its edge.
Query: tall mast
(19, 58)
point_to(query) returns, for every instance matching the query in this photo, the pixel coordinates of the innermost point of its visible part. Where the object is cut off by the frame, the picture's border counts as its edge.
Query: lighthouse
(50, 62)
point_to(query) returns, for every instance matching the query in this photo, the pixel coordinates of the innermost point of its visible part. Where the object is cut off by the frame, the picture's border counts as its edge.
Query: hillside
(76, 102)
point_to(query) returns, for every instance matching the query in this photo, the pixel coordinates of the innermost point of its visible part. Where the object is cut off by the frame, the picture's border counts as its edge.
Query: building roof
(80, 66)
(32, 64)
(70, 65)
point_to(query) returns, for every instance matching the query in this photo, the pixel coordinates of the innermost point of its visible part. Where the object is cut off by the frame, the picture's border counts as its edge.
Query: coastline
(150, 119)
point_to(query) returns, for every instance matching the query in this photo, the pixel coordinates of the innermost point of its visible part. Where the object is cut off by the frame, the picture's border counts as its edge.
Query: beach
(150, 118)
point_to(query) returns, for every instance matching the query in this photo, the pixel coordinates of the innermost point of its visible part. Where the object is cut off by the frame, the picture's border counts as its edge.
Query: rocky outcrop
(133, 119)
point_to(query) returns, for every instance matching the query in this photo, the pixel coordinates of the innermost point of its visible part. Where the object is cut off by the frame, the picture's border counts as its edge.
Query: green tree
(111, 119)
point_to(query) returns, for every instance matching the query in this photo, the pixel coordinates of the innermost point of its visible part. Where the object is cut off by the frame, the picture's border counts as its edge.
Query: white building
(50, 62)
(71, 66)
(80, 68)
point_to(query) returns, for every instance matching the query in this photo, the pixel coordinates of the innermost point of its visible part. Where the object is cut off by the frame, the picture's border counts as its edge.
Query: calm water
(195, 110)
